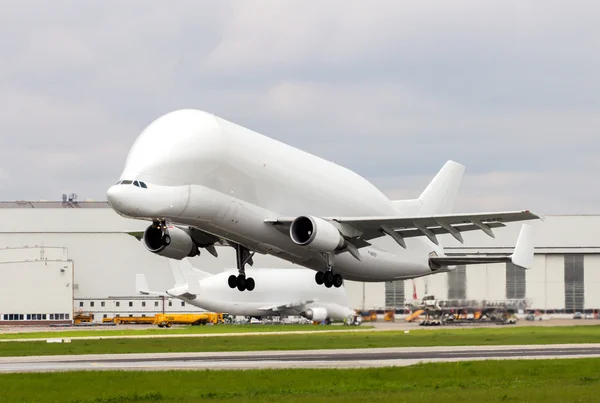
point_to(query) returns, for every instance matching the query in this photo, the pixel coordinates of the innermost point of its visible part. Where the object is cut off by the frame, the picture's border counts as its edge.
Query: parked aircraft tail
(439, 196)
(141, 286)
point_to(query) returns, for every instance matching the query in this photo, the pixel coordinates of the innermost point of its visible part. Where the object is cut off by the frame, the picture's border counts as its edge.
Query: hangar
(58, 259)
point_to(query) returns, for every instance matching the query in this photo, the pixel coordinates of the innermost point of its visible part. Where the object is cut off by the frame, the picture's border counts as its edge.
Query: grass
(576, 380)
(316, 340)
(174, 330)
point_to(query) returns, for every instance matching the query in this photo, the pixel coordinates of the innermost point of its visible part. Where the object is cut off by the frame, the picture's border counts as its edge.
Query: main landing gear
(327, 277)
(243, 256)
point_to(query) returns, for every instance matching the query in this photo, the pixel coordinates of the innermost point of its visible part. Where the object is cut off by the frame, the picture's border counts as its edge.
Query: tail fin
(141, 285)
(182, 268)
(440, 195)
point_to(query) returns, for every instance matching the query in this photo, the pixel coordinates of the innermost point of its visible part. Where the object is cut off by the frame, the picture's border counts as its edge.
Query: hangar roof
(53, 204)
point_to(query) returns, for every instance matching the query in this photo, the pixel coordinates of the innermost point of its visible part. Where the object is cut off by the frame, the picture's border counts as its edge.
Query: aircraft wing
(284, 306)
(411, 226)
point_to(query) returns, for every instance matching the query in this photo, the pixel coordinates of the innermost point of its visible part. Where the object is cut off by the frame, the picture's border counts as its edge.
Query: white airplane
(203, 180)
(279, 292)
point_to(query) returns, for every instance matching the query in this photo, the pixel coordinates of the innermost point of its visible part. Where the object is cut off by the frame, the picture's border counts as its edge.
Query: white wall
(42, 287)
(591, 265)
(555, 282)
(535, 282)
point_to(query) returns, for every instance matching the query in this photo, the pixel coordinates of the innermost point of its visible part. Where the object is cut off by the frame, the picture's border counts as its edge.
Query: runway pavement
(347, 358)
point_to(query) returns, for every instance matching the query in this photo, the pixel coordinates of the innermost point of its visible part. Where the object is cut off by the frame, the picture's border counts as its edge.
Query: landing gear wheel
(337, 280)
(241, 282)
(250, 284)
(243, 257)
(319, 277)
(232, 281)
(328, 279)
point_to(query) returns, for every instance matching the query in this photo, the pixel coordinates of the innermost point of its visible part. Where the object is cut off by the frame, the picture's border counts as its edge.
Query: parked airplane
(203, 180)
(287, 292)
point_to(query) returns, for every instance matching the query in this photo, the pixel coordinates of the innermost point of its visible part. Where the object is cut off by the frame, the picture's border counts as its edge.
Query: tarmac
(344, 358)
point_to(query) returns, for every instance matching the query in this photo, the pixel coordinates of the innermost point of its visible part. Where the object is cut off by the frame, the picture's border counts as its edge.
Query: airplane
(279, 292)
(203, 181)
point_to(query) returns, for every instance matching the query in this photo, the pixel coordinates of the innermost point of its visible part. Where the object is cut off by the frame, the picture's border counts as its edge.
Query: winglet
(523, 254)
(141, 285)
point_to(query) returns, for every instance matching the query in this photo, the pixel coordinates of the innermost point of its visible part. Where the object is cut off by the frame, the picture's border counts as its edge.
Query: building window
(67, 316)
(457, 283)
(182, 303)
(155, 303)
(28, 316)
(81, 303)
(143, 303)
(52, 316)
(92, 303)
(394, 294)
(105, 316)
(516, 282)
(170, 303)
(118, 303)
(102, 304)
(574, 283)
(130, 303)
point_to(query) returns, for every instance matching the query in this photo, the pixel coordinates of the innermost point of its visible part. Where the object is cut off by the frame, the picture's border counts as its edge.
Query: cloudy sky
(392, 90)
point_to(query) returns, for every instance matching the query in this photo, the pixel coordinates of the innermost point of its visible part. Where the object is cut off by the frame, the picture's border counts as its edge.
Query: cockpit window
(142, 184)
(126, 182)
(135, 183)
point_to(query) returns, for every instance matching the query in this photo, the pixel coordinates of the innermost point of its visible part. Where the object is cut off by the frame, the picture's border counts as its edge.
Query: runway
(347, 358)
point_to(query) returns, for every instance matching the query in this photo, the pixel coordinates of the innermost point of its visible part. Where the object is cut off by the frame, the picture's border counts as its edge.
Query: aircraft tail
(183, 268)
(141, 286)
(440, 195)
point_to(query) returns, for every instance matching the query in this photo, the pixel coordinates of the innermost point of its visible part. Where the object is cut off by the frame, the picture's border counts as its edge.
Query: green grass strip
(216, 329)
(576, 380)
(316, 340)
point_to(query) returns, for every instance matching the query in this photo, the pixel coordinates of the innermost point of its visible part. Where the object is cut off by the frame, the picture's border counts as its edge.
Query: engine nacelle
(178, 244)
(316, 233)
(315, 314)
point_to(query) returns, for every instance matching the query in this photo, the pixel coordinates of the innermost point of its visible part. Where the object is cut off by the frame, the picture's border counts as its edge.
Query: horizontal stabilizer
(521, 257)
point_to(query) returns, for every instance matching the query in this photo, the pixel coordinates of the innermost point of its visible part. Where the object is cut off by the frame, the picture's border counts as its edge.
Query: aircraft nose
(112, 196)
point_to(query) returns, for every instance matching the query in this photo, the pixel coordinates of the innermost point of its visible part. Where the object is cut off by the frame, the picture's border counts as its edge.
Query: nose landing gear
(243, 257)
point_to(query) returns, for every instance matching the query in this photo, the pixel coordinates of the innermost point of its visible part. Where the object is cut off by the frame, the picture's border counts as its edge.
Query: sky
(389, 89)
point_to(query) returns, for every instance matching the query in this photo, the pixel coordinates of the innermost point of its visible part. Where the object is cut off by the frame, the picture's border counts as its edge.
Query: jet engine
(316, 233)
(176, 244)
(315, 314)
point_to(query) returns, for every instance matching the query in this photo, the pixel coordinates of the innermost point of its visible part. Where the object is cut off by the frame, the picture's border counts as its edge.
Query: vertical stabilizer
(182, 268)
(440, 195)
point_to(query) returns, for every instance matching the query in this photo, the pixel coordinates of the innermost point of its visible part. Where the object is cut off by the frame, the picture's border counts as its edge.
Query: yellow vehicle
(121, 320)
(167, 320)
(83, 318)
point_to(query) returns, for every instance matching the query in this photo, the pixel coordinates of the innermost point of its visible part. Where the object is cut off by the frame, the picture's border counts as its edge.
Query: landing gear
(243, 257)
(328, 278)
(164, 232)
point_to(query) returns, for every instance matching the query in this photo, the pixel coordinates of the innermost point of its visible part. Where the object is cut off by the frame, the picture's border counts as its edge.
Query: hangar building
(58, 259)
